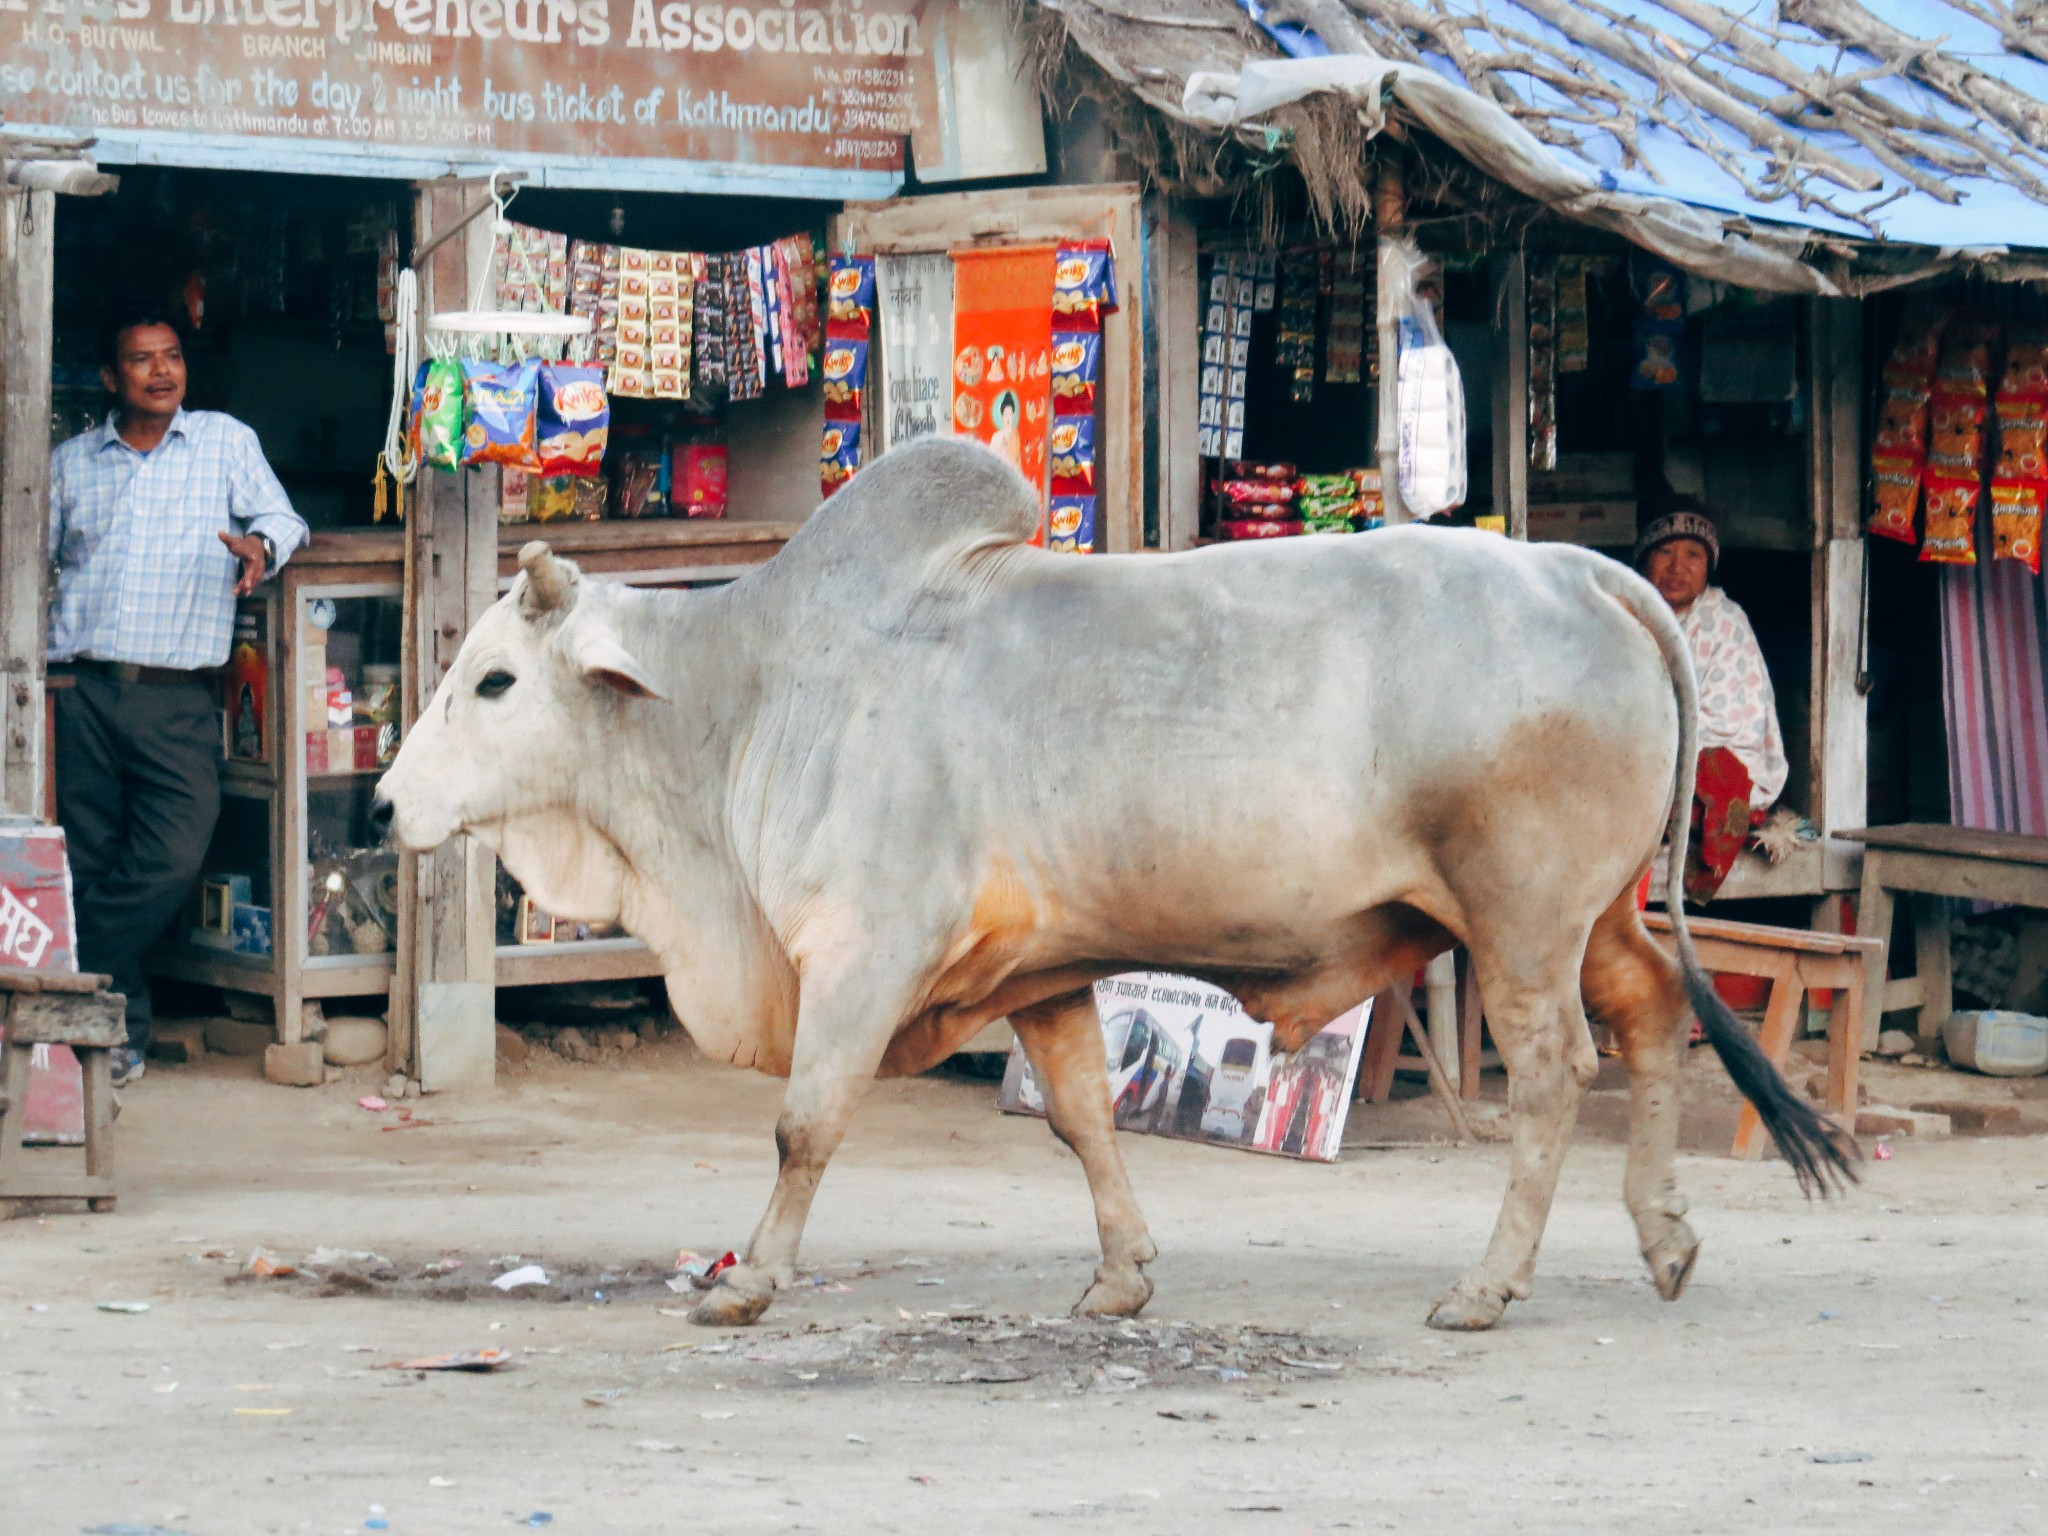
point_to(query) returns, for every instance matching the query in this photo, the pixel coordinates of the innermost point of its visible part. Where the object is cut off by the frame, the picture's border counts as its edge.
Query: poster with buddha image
(1002, 355)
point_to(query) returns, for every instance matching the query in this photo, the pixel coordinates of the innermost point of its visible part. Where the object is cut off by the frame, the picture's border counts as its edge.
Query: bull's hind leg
(1634, 988)
(1063, 1041)
(1541, 1031)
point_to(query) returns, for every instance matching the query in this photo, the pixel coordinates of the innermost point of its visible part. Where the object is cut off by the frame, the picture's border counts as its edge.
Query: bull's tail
(1821, 1154)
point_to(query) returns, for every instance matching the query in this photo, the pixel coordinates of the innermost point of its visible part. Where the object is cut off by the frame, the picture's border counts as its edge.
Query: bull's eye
(494, 683)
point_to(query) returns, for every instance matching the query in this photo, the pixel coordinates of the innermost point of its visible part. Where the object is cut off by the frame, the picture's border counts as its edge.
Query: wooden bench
(1795, 963)
(59, 1008)
(1930, 864)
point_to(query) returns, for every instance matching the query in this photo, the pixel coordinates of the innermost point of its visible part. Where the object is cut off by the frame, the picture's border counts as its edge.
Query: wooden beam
(1389, 205)
(1177, 308)
(1839, 763)
(26, 221)
(1511, 393)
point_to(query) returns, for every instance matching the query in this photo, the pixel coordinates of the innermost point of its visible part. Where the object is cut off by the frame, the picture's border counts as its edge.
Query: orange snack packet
(1951, 537)
(2016, 522)
(1895, 487)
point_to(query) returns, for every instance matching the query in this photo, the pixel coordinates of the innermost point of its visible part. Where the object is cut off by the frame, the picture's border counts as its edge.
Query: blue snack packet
(1076, 369)
(502, 403)
(1071, 526)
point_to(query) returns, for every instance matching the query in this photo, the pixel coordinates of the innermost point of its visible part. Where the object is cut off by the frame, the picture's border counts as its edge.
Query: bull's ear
(603, 660)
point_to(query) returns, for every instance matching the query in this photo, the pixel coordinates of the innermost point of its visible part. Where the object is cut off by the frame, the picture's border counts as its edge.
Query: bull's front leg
(839, 1044)
(1063, 1041)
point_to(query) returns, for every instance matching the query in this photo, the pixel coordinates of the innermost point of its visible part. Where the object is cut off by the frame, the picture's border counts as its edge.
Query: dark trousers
(138, 792)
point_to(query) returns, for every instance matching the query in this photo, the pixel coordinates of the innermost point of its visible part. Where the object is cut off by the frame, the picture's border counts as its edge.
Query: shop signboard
(1185, 1060)
(36, 928)
(806, 97)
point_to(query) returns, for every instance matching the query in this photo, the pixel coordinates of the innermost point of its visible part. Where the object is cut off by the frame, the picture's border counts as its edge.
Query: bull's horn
(547, 578)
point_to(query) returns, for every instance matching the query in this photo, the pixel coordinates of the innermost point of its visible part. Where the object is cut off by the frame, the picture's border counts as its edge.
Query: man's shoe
(128, 1066)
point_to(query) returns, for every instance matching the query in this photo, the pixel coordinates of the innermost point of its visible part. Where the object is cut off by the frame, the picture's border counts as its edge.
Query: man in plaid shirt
(159, 520)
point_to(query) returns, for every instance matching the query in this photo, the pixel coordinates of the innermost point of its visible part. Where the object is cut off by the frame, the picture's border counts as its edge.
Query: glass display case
(294, 901)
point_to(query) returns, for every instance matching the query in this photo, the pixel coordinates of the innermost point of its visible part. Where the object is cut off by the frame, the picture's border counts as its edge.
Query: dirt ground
(1871, 1365)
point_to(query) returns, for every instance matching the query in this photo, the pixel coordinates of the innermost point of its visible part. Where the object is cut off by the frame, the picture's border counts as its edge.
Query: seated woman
(1742, 764)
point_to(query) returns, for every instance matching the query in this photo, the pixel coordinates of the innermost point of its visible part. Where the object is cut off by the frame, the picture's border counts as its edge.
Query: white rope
(397, 455)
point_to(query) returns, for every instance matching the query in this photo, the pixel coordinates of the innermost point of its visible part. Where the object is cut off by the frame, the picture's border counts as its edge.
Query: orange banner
(1002, 355)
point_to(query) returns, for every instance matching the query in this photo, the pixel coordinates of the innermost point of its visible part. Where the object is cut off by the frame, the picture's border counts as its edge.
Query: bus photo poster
(1186, 1061)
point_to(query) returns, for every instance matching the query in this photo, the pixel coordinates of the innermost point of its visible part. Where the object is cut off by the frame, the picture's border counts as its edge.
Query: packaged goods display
(1899, 445)
(2019, 479)
(849, 329)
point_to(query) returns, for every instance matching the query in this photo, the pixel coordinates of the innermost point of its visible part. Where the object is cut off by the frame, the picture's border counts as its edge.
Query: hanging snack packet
(1071, 525)
(1951, 537)
(1073, 456)
(1965, 366)
(1084, 286)
(850, 299)
(1902, 421)
(2022, 437)
(2026, 365)
(838, 455)
(2016, 522)
(845, 370)
(1895, 489)
(1955, 446)
(575, 420)
(1076, 368)
(437, 414)
(503, 400)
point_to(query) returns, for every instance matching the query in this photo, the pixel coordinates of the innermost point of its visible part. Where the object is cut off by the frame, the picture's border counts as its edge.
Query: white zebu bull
(914, 775)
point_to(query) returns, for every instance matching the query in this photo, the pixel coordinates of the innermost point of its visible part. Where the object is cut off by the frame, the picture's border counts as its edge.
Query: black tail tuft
(1822, 1155)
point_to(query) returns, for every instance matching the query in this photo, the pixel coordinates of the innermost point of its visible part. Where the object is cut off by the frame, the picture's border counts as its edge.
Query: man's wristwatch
(269, 553)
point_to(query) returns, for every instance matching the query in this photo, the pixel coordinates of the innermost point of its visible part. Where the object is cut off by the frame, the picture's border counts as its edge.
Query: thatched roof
(1801, 145)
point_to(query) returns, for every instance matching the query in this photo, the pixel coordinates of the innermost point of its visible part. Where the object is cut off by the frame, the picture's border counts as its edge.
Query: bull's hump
(925, 497)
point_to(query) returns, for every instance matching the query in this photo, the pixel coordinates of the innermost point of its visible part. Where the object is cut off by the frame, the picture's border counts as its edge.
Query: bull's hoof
(1116, 1293)
(1671, 1261)
(1470, 1306)
(732, 1306)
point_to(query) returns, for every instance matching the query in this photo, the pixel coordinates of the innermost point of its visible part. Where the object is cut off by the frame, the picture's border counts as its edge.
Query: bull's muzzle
(381, 812)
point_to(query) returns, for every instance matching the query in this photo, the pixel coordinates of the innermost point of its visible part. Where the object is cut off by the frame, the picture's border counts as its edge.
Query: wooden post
(1840, 709)
(1389, 202)
(26, 220)
(1511, 393)
(1177, 306)
(443, 996)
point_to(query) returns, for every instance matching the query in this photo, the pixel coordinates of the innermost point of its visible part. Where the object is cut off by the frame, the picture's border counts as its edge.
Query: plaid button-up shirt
(142, 576)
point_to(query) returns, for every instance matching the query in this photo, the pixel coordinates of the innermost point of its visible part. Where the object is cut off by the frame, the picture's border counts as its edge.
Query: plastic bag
(1431, 396)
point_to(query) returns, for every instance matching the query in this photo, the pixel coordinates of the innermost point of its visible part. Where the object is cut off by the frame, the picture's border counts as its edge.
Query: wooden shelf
(570, 538)
(533, 965)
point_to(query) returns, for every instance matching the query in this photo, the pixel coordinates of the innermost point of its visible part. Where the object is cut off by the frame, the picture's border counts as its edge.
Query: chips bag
(839, 455)
(1902, 421)
(850, 297)
(1895, 488)
(575, 420)
(503, 400)
(845, 370)
(2026, 365)
(1955, 445)
(1083, 285)
(2016, 522)
(1254, 498)
(2022, 437)
(1951, 537)
(437, 414)
(1076, 369)
(1071, 526)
